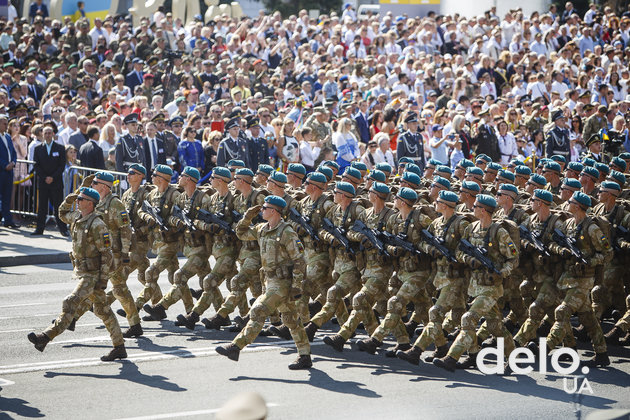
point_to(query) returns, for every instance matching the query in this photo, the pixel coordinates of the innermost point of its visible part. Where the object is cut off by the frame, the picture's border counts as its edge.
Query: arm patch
(108, 243)
(300, 245)
(124, 216)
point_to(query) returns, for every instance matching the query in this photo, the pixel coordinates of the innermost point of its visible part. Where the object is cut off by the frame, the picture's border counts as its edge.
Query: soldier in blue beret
(411, 180)
(362, 167)
(262, 174)
(295, 175)
(618, 164)
(443, 171)
(376, 175)
(385, 168)
(412, 167)
(617, 177)
(474, 174)
(573, 170)
(535, 181)
(467, 195)
(491, 172)
(553, 173)
(327, 171)
(505, 177)
(589, 177)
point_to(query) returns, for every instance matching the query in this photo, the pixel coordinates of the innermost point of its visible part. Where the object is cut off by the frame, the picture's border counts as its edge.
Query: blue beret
(483, 157)
(191, 172)
(139, 168)
(352, 172)
(411, 178)
(407, 194)
(332, 163)
(493, 166)
(553, 166)
(244, 172)
(575, 166)
(465, 163)
(279, 177)
(359, 165)
(487, 200)
(517, 162)
(441, 182)
(274, 200)
(326, 171)
(384, 167)
(380, 188)
(602, 168)
(471, 186)
(610, 185)
(265, 169)
(377, 175)
(90, 192)
(104, 176)
(617, 161)
(345, 187)
(222, 171)
(583, 199)
(505, 174)
(624, 155)
(434, 163)
(412, 167)
(235, 163)
(474, 170)
(298, 168)
(571, 183)
(538, 180)
(542, 162)
(510, 189)
(592, 172)
(559, 158)
(449, 196)
(617, 176)
(588, 162)
(544, 195)
(163, 169)
(317, 177)
(405, 160)
(443, 169)
(522, 170)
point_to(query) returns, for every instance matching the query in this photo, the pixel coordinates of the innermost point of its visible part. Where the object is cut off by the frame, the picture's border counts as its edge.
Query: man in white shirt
(558, 85)
(72, 127)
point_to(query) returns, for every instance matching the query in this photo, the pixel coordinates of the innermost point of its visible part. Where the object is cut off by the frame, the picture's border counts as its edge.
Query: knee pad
(334, 293)
(151, 275)
(598, 294)
(436, 313)
(237, 282)
(210, 281)
(119, 289)
(394, 305)
(470, 320)
(562, 313)
(257, 313)
(179, 279)
(359, 300)
(536, 311)
(70, 304)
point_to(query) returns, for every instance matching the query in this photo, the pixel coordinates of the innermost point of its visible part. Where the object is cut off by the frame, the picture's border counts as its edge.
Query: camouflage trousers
(166, 259)
(276, 297)
(611, 292)
(547, 300)
(347, 282)
(86, 289)
(223, 268)
(624, 322)
(413, 289)
(196, 263)
(452, 298)
(512, 296)
(317, 268)
(484, 305)
(576, 300)
(138, 259)
(374, 281)
(248, 274)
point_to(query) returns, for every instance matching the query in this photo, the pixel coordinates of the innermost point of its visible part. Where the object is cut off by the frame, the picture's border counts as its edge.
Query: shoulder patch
(124, 216)
(300, 245)
(604, 241)
(512, 248)
(106, 239)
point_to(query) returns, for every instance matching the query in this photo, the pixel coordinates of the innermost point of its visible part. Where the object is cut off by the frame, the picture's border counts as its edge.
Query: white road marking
(183, 414)
(22, 304)
(95, 339)
(6, 382)
(28, 316)
(36, 328)
(142, 357)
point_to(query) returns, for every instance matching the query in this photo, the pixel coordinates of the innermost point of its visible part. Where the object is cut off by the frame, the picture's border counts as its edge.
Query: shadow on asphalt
(19, 407)
(128, 371)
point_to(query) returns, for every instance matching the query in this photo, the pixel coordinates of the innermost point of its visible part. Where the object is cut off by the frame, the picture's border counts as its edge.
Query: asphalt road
(175, 373)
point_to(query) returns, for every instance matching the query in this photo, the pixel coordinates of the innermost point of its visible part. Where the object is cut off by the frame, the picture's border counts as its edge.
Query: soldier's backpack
(512, 229)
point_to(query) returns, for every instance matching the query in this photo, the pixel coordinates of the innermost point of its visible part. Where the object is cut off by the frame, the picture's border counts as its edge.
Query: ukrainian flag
(92, 9)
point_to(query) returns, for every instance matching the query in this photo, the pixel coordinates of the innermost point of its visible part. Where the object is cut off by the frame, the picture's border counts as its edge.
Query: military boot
(40, 340)
(580, 333)
(613, 336)
(467, 362)
(489, 342)
(157, 312)
(369, 345)
(121, 312)
(239, 323)
(314, 308)
(302, 362)
(216, 322)
(439, 352)
(188, 320)
(412, 355)
(411, 328)
(196, 293)
(311, 329)
(600, 359)
(566, 357)
(510, 326)
(544, 329)
(72, 325)
(446, 362)
(117, 352)
(230, 350)
(336, 342)
(626, 340)
(134, 331)
(396, 348)
(282, 331)
(453, 335)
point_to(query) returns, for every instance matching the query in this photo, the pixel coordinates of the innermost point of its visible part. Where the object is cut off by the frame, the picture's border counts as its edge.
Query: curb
(56, 258)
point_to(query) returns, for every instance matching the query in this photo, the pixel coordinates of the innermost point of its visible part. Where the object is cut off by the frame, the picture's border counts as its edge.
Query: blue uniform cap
(104, 176)
(164, 169)
(517, 162)
(222, 172)
(474, 170)
(235, 163)
(470, 187)
(487, 200)
(408, 194)
(279, 177)
(412, 167)
(602, 168)
(345, 187)
(234, 122)
(522, 170)
(91, 193)
(411, 178)
(624, 155)
(575, 166)
(571, 183)
(544, 195)
(384, 167)
(405, 160)
(582, 199)
(434, 163)
(274, 200)
(359, 165)
(297, 168)
(317, 177)
(449, 196)
(591, 171)
(441, 182)
(484, 158)
(326, 171)
(538, 180)
(332, 163)
(191, 172)
(377, 175)
(610, 186)
(265, 169)
(559, 158)
(507, 175)
(380, 188)
(244, 172)
(139, 168)
(353, 173)
(176, 120)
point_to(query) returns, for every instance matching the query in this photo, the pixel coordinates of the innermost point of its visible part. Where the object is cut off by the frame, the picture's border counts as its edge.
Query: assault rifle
(480, 254)
(568, 243)
(305, 224)
(215, 219)
(154, 213)
(338, 234)
(438, 244)
(534, 240)
(179, 214)
(371, 236)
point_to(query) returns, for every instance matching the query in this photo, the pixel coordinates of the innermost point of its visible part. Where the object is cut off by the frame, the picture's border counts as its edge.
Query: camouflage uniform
(485, 288)
(92, 260)
(592, 125)
(282, 258)
(320, 131)
(576, 282)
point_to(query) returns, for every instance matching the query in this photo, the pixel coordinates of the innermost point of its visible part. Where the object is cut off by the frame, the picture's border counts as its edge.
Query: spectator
(190, 150)
(90, 153)
(346, 144)
(8, 158)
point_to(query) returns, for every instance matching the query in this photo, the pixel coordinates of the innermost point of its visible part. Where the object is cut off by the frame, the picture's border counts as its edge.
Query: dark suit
(36, 91)
(6, 177)
(363, 126)
(132, 80)
(91, 155)
(49, 165)
(160, 153)
(77, 140)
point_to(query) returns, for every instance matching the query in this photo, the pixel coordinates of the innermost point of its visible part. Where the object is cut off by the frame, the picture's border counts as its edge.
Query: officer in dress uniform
(129, 147)
(410, 142)
(233, 146)
(557, 138)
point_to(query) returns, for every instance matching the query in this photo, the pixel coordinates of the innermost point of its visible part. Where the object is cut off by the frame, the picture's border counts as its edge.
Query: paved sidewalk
(18, 247)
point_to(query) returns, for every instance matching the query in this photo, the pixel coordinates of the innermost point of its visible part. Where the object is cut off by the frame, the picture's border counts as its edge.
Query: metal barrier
(25, 193)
